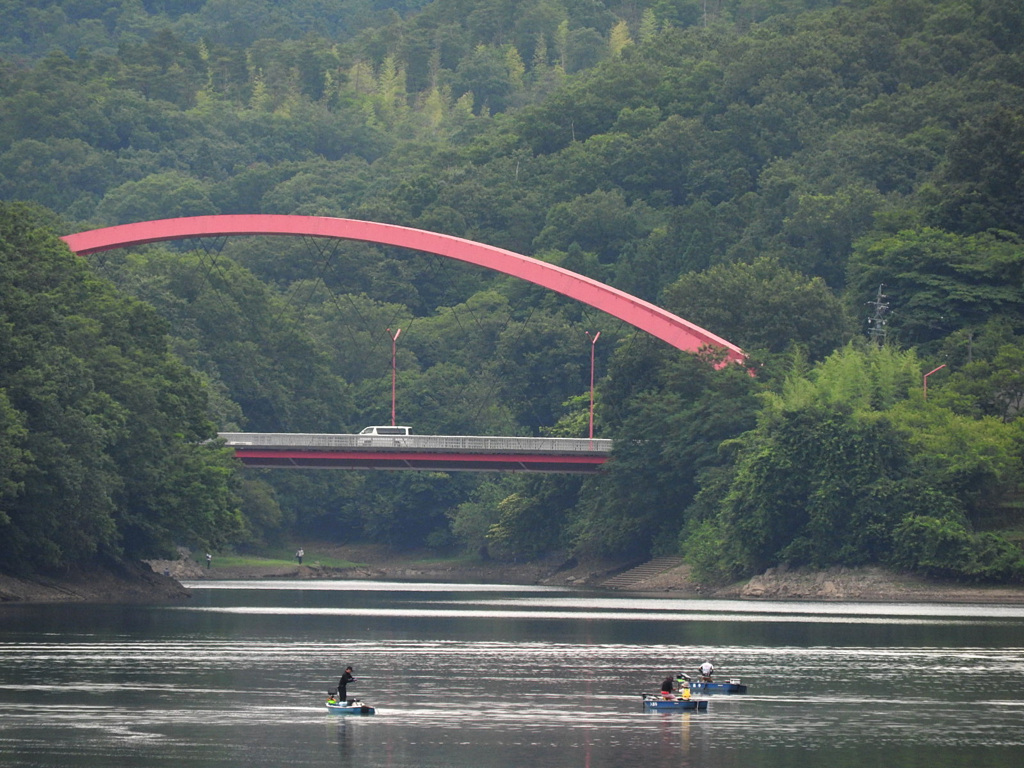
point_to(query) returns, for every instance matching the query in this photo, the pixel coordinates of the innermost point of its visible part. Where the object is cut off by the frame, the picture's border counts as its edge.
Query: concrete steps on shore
(642, 572)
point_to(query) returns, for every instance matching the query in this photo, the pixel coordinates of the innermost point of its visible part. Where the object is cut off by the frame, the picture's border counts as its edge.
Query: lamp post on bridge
(593, 344)
(394, 369)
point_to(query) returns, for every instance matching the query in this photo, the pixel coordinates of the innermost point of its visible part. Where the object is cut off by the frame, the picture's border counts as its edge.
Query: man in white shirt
(706, 670)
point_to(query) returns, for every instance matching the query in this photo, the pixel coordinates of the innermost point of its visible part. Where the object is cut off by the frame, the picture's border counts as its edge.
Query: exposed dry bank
(161, 581)
(131, 584)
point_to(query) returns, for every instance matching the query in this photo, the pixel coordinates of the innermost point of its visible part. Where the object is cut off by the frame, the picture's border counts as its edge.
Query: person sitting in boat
(706, 670)
(330, 698)
(666, 688)
(346, 678)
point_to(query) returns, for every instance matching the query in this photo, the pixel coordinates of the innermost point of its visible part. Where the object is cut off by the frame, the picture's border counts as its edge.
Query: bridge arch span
(648, 317)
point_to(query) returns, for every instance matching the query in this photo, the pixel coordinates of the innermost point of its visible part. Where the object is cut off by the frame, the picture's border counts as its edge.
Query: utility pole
(593, 344)
(877, 321)
(394, 370)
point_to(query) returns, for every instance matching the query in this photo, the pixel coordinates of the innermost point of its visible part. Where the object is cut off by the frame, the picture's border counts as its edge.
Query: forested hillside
(105, 449)
(836, 187)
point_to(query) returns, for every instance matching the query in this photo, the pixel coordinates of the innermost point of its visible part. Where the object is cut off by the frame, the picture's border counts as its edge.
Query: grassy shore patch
(277, 560)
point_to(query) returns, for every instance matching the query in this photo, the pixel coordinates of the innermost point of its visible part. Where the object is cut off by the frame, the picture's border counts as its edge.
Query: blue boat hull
(675, 705)
(724, 687)
(357, 708)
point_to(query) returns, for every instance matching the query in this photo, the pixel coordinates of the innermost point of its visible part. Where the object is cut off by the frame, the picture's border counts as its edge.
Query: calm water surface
(505, 676)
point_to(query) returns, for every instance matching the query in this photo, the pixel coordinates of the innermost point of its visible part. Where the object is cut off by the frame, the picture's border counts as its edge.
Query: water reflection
(625, 613)
(556, 603)
(346, 585)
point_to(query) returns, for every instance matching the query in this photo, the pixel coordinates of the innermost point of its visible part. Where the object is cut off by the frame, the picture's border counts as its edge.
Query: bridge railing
(453, 443)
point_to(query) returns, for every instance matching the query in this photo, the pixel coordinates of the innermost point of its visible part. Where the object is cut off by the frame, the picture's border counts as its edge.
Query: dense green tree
(601, 222)
(880, 474)
(585, 47)
(761, 306)
(485, 74)
(405, 508)
(982, 372)
(531, 520)
(473, 520)
(539, 364)
(158, 196)
(326, 506)
(58, 173)
(937, 282)
(667, 435)
(973, 460)
(982, 182)
(238, 332)
(318, 188)
(818, 236)
(108, 454)
(13, 458)
(833, 510)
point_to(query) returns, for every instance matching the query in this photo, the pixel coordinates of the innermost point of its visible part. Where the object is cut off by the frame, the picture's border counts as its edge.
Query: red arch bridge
(648, 317)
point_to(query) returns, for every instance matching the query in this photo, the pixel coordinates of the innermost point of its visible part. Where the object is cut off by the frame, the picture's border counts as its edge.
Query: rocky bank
(869, 584)
(126, 584)
(160, 581)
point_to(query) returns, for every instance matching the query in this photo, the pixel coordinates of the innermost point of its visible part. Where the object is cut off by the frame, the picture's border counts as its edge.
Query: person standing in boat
(706, 670)
(346, 678)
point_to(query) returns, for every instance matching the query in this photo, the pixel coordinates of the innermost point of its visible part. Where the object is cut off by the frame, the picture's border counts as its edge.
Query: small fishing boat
(659, 703)
(349, 708)
(725, 686)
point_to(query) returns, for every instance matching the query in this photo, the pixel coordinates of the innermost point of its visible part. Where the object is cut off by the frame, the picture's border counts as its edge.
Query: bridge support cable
(213, 252)
(440, 268)
(325, 257)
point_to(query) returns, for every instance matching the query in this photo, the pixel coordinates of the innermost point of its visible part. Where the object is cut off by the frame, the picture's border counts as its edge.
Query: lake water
(465, 675)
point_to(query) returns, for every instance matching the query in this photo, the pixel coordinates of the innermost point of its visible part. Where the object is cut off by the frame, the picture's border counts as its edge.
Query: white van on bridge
(372, 435)
(387, 431)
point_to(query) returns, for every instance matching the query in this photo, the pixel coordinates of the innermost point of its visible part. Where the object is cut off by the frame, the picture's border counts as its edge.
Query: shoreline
(128, 584)
(161, 581)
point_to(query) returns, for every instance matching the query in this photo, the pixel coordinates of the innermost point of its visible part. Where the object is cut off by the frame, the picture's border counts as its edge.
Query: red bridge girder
(648, 317)
(447, 461)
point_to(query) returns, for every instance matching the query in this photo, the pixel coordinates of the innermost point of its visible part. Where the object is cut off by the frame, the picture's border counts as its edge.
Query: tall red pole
(593, 343)
(394, 370)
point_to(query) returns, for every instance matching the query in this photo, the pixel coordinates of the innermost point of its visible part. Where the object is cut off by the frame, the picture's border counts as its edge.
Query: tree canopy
(777, 172)
(107, 447)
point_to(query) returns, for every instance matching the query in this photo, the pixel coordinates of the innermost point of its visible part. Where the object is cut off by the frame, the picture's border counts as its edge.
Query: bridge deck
(419, 452)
